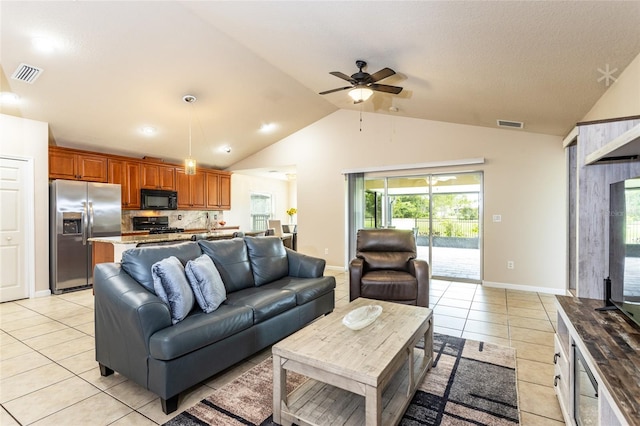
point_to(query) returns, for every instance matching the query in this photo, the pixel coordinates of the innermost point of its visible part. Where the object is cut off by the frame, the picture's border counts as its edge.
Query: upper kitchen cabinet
(127, 174)
(158, 176)
(218, 190)
(191, 190)
(72, 164)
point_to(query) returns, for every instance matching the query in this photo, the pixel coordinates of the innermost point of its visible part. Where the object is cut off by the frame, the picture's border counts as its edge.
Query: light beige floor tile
(15, 316)
(12, 350)
(54, 338)
(89, 328)
(447, 331)
(32, 380)
(531, 336)
(491, 329)
(449, 311)
(525, 304)
(459, 295)
(9, 307)
(6, 339)
(342, 302)
(93, 376)
(490, 300)
(134, 419)
(535, 372)
(80, 363)
(488, 317)
(132, 394)
(6, 419)
(74, 320)
(42, 327)
(20, 364)
(489, 307)
(69, 348)
(188, 399)
(46, 401)
(528, 313)
(454, 303)
(485, 338)
(533, 352)
(540, 400)
(529, 419)
(448, 322)
(69, 311)
(100, 409)
(522, 295)
(533, 324)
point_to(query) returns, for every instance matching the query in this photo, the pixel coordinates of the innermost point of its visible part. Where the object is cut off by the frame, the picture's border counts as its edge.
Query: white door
(13, 245)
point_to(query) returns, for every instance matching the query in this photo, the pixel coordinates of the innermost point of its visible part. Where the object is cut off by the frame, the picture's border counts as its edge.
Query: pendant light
(190, 162)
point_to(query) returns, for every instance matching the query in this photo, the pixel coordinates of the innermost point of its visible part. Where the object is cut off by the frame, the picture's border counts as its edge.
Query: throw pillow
(172, 287)
(206, 283)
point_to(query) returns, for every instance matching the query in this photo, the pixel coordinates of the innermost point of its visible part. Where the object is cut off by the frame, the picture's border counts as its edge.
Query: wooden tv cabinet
(609, 343)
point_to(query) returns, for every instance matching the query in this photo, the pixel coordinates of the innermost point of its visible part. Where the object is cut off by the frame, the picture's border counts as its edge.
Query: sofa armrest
(419, 268)
(356, 267)
(303, 266)
(126, 315)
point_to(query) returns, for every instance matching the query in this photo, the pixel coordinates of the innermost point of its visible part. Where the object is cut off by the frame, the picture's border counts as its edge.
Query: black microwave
(156, 199)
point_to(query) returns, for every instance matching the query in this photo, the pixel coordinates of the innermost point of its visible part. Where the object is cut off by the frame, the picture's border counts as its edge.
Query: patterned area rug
(471, 383)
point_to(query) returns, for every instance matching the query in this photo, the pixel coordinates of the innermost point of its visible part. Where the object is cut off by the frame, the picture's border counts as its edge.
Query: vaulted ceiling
(115, 67)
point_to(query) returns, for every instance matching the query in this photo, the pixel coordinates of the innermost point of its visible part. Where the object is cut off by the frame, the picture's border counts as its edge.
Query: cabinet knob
(555, 357)
(9, 238)
(555, 380)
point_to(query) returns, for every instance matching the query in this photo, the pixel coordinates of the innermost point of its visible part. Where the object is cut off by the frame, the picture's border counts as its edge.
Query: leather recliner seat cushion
(268, 259)
(199, 330)
(266, 303)
(389, 285)
(232, 260)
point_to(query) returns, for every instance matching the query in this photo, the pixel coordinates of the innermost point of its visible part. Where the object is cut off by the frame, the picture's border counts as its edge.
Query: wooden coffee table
(379, 362)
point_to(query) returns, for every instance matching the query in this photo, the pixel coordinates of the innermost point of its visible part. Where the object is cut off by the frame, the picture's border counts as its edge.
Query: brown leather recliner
(386, 268)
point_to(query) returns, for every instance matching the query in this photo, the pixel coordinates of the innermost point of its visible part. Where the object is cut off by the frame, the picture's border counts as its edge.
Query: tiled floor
(48, 373)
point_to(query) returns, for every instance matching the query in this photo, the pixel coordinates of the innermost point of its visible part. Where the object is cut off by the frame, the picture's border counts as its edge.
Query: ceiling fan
(363, 83)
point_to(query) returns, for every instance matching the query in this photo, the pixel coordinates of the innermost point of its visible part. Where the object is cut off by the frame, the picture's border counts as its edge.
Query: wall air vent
(511, 124)
(26, 73)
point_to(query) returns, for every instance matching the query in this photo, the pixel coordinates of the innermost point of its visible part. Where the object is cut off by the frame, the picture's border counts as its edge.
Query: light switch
(497, 218)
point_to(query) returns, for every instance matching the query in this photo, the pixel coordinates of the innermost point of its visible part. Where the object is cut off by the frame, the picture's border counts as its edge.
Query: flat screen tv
(624, 247)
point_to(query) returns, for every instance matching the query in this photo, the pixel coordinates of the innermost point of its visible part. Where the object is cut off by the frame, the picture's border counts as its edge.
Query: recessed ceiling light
(267, 127)
(226, 149)
(148, 130)
(9, 98)
(44, 44)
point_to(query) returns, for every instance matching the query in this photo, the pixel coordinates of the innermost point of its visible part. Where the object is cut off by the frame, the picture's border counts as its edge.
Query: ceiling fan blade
(383, 73)
(385, 88)
(335, 90)
(341, 75)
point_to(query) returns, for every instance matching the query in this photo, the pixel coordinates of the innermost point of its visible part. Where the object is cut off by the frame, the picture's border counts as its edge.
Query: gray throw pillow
(172, 287)
(206, 283)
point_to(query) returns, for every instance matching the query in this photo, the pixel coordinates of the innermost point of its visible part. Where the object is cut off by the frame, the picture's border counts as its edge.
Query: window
(261, 210)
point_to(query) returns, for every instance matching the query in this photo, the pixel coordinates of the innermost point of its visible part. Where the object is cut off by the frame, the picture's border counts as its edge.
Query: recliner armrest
(356, 267)
(419, 268)
(303, 266)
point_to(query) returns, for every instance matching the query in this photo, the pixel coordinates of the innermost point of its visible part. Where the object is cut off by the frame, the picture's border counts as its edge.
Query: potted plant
(291, 227)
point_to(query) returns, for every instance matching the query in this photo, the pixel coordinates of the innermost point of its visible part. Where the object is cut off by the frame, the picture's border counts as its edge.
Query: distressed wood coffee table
(379, 362)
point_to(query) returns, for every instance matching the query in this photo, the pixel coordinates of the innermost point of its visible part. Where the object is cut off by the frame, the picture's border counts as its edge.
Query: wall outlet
(179, 217)
(326, 251)
(215, 217)
(511, 264)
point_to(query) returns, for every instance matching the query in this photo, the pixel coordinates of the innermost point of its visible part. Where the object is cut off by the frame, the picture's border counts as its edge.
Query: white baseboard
(42, 293)
(547, 290)
(335, 268)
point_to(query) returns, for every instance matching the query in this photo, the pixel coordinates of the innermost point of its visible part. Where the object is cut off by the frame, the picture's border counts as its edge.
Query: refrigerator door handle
(90, 219)
(84, 223)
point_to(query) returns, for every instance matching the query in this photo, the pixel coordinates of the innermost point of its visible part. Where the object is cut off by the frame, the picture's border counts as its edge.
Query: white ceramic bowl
(361, 317)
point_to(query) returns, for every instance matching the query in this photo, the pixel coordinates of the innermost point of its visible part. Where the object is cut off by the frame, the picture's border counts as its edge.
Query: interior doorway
(443, 210)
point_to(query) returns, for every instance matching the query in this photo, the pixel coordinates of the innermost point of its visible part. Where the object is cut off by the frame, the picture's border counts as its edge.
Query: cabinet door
(91, 168)
(150, 176)
(197, 190)
(183, 189)
(167, 178)
(62, 165)
(127, 174)
(224, 192)
(213, 190)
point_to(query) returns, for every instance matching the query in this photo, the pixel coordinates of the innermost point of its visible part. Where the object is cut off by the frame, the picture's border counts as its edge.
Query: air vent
(511, 124)
(27, 73)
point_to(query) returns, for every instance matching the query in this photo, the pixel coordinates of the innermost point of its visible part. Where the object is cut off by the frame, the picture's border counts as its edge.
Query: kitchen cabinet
(218, 187)
(191, 190)
(127, 174)
(158, 176)
(76, 165)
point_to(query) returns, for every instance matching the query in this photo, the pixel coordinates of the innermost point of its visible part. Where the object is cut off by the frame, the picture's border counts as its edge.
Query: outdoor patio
(451, 262)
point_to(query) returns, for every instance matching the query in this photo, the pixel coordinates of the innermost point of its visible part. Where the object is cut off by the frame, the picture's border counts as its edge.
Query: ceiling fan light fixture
(360, 94)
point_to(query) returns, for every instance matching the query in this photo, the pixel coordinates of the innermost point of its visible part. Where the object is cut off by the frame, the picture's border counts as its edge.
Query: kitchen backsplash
(190, 219)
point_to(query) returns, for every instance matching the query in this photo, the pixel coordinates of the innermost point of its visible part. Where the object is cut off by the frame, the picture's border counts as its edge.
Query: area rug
(470, 383)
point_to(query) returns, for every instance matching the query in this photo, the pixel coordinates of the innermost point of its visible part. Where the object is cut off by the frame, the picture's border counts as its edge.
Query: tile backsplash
(190, 219)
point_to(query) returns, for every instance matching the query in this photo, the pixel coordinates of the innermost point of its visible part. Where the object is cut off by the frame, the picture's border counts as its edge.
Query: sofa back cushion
(232, 260)
(268, 259)
(137, 262)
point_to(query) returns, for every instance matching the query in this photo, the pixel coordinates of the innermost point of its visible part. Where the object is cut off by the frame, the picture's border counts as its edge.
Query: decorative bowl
(361, 317)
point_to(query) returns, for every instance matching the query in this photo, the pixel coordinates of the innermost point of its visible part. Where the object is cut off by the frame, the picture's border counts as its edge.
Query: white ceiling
(122, 65)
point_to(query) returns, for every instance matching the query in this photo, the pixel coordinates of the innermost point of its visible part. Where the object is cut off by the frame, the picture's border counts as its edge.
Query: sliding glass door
(443, 210)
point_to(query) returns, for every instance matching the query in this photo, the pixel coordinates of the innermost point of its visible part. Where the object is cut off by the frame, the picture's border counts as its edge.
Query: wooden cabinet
(157, 176)
(191, 190)
(218, 187)
(127, 174)
(76, 165)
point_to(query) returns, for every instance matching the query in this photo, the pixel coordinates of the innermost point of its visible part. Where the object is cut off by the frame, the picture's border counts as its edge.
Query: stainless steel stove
(154, 224)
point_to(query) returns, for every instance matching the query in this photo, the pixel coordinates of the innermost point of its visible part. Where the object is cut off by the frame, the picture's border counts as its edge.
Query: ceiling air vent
(27, 73)
(511, 124)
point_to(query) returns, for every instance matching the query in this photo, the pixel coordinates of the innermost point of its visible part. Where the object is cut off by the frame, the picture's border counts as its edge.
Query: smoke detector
(26, 73)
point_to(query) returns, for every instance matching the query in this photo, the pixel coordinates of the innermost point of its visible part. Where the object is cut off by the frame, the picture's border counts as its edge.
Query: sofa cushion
(137, 262)
(199, 330)
(268, 259)
(232, 260)
(206, 283)
(389, 285)
(306, 289)
(396, 260)
(266, 303)
(172, 287)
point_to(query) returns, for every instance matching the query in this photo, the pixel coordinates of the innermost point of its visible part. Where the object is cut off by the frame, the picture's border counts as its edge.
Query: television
(624, 247)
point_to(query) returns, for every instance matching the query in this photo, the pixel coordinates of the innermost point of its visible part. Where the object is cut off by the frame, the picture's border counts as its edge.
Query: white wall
(28, 139)
(524, 181)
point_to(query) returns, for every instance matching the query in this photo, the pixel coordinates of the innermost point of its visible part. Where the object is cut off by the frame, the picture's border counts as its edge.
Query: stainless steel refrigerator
(78, 211)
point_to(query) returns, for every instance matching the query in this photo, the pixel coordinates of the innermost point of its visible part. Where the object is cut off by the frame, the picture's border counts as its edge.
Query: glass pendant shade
(360, 94)
(190, 166)
(189, 162)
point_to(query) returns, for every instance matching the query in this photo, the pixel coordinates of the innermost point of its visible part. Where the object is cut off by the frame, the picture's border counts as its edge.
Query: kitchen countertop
(178, 236)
